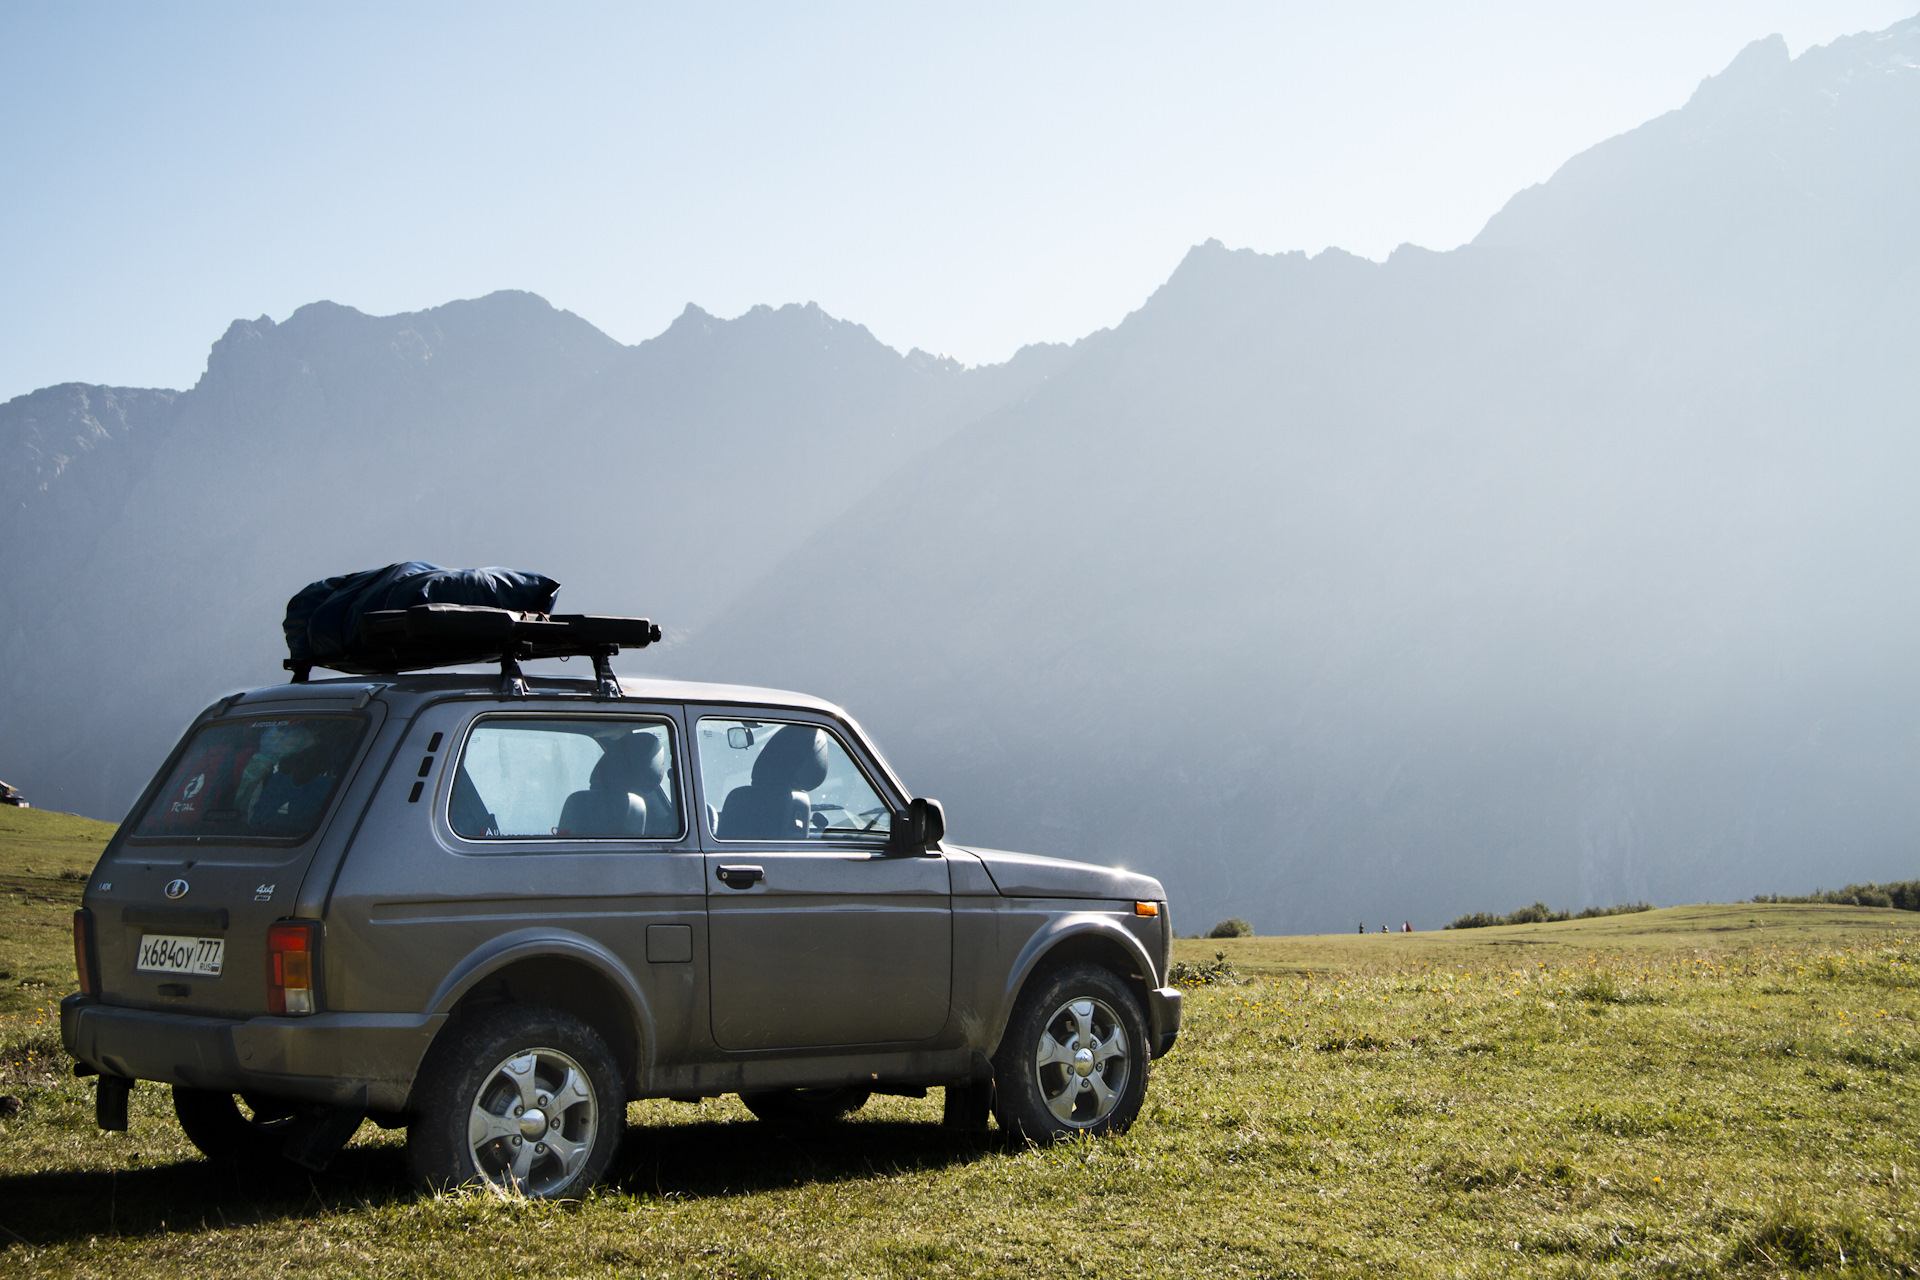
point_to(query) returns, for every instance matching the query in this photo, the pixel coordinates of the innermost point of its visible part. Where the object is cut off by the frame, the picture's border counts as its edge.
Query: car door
(816, 936)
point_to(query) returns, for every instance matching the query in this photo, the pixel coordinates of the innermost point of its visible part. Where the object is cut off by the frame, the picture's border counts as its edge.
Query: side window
(770, 781)
(566, 778)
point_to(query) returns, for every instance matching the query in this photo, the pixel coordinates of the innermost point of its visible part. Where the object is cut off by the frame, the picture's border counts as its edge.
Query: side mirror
(921, 823)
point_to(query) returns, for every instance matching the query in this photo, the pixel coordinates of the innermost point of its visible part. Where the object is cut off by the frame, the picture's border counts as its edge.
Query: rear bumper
(1163, 1012)
(327, 1057)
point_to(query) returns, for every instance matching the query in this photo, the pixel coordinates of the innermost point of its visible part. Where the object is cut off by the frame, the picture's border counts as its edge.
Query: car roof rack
(450, 635)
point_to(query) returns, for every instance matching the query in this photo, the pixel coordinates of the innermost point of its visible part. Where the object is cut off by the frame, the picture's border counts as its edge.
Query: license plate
(160, 953)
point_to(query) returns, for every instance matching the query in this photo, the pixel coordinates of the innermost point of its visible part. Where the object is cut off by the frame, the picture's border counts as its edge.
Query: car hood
(1027, 875)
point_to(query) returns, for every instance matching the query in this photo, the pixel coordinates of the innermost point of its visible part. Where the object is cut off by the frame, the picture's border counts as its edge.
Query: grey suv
(493, 910)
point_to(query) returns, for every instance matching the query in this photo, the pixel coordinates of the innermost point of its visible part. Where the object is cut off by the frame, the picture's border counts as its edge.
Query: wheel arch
(562, 971)
(1078, 938)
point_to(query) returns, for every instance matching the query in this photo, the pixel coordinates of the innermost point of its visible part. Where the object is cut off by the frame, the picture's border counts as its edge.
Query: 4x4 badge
(263, 893)
(176, 888)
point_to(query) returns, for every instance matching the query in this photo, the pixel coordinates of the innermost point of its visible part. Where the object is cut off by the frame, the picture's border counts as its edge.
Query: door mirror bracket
(922, 824)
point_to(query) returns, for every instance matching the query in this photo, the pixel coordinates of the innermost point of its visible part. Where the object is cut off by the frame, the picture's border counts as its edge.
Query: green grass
(1695, 1091)
(44, 861)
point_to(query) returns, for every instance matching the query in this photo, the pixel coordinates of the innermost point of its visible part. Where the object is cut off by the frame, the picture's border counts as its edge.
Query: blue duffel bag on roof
(323, 620)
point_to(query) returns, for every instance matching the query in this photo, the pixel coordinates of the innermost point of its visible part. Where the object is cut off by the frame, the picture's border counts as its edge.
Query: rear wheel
(524, 1098)
(1074, 1058)
(806, 1106)
(230, 1128)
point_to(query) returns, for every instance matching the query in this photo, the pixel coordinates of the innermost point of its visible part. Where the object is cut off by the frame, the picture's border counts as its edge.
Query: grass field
(1715, 1090)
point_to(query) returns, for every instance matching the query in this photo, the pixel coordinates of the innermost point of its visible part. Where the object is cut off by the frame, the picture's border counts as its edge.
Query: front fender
(1071, 926)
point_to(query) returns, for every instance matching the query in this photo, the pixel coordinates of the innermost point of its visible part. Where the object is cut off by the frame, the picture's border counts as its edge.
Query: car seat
(663, 815)
(616, 801)
(469, 815)
(775, 804)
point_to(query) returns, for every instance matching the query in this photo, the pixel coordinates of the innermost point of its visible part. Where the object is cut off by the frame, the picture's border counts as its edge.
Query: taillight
(290, 966)
(83, 965)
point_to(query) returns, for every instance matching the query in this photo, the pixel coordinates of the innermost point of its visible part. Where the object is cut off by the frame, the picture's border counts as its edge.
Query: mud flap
(110, 1102)
(968, 1105)
(318, 1136)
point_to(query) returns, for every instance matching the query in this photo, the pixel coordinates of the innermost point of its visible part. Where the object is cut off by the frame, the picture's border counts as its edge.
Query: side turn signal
(1146, 908)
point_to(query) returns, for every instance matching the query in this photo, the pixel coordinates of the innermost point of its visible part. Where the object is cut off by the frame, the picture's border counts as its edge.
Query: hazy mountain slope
(1772, 162)
(109, 433)
(707, 453)
(151, 568)
(148, 579)
(1579, 562)
(43, 434)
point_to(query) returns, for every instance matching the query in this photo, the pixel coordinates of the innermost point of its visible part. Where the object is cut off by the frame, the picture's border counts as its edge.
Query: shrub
(1199, 975)
(1475, 920)
(1618, 909)
(1234, 928)
(1541, 913)
(1902, 895)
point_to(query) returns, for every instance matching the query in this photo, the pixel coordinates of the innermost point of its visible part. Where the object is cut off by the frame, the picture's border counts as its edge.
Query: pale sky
(964, 179)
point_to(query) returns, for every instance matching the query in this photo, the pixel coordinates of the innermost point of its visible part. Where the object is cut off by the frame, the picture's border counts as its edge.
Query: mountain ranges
(1576, 563)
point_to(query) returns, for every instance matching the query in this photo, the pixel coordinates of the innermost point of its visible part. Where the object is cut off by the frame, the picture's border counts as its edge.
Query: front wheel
(1074, 1057)
(218, 1125)
(806, 1106)
(523, 1098)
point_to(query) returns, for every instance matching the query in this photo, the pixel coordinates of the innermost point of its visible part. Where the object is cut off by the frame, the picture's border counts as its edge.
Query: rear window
(254, 781)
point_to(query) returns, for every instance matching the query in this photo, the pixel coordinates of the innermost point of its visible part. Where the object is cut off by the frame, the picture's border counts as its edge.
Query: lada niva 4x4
(493, 910)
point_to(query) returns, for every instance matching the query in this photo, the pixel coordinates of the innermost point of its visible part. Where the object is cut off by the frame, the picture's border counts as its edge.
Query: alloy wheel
(533, 1121)
(1082, 1062)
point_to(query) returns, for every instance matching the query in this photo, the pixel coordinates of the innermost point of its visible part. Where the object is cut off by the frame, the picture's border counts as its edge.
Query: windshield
(253, 780)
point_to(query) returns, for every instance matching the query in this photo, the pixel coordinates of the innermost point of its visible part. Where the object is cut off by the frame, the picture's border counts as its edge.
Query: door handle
(736, 876)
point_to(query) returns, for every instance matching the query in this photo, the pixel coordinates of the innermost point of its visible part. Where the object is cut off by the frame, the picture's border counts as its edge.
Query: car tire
(806, 1106)
(216, 1123)
(522, 1097)
(1074, 1058)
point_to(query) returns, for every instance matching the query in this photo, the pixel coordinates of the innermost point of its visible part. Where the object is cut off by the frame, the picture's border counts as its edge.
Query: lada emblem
(176, 888)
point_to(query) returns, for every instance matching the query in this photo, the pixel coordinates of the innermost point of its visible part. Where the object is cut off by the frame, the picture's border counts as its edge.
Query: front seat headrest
(794, 759)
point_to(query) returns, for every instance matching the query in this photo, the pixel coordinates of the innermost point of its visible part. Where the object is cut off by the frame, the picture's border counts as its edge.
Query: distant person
(1363, 927)
(1385, 929)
